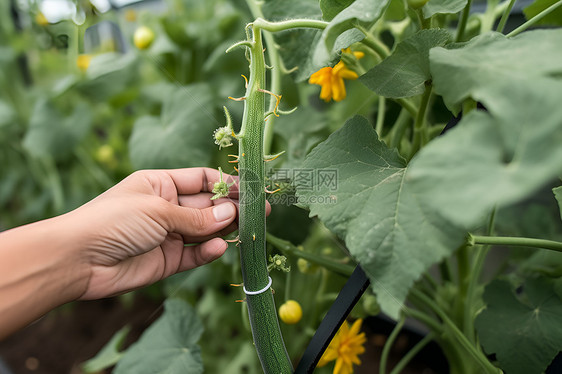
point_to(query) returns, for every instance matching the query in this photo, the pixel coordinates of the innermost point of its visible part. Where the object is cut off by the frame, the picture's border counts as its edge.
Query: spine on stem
(261, 307)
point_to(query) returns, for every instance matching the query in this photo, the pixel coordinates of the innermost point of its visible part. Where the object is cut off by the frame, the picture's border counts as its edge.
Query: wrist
(40, 269)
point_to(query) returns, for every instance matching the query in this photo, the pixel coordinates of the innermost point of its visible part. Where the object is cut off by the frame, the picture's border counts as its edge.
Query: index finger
(191, 181)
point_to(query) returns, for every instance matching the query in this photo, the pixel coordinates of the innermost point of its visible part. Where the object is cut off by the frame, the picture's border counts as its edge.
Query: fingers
(198, 239)
(194, 180)
(193, 222)
(203, 200)
(202, 254)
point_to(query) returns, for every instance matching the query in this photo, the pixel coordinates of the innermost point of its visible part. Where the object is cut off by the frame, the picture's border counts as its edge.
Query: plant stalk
(515, 241)
(412, 353)
(463, 21)
(289, 249)
(261, 307)
(505, 16)
(535, 19)
(275, 62)
(388, 345)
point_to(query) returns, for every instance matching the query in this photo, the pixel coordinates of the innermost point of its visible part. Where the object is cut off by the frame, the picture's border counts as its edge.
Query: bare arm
(131, 236)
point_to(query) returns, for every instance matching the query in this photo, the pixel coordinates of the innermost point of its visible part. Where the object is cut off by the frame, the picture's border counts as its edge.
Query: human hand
(134, 233)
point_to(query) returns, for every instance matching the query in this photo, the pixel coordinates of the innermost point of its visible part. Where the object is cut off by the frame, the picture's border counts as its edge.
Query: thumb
(200, 222)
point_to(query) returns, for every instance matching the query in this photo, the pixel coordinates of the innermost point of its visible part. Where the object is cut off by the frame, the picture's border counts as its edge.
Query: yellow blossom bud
(105, 154)
(83, 62)
(143, 37)
(41, 20)
(290, 312)
(130, 15)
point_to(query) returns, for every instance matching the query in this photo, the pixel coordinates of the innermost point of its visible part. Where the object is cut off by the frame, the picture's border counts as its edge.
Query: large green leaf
(491, 59)
(443, 6)
(554, 18)
(500, 157)
(168, 346)
(51, 134)
(558, 194)
(404, 73)
(496, 158)
(359, 13)
(331, 8)
(108, 75)
(181, 136)
(524, 330)
(109, 354)
(373, 208)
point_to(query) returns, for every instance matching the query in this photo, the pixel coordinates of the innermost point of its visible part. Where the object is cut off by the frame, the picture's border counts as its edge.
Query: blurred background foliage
(81, 107)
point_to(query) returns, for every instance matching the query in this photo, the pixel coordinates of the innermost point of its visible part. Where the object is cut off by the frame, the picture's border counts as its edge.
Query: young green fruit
(143, 37)
(290, 312)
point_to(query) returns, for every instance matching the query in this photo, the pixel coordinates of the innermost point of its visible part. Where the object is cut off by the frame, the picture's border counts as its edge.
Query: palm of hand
(151, 218)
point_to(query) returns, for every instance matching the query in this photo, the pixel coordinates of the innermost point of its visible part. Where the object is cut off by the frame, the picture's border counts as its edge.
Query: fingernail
(223, 212)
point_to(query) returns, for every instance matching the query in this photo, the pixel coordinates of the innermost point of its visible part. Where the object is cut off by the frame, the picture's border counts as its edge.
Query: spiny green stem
(289, 249)
(505, 16)
(462, 22)
(535, 19)
(412, 353)
(275, 62)
(515, 241)
(389, 343)
(261, 307)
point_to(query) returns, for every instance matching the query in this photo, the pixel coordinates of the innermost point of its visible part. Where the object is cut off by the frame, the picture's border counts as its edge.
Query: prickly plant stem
(275, 87)
(261, 307)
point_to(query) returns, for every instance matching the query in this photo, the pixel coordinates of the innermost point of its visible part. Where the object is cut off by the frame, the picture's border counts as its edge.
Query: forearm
(41, 267)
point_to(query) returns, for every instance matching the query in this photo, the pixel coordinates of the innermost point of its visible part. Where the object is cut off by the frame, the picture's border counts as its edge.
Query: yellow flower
(83, 62)
(344, 348)
(41, 20)
(290, 312)
(331, 79)
(130, 15)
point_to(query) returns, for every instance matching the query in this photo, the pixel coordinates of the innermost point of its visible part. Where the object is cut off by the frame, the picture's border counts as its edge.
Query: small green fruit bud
(223, 137)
